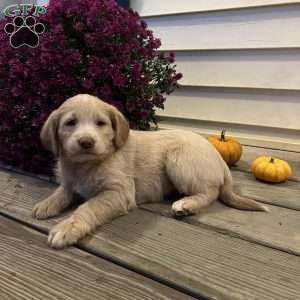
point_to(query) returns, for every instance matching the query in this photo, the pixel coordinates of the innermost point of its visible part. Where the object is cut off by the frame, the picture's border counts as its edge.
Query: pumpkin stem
(272, 160)
(223, 135)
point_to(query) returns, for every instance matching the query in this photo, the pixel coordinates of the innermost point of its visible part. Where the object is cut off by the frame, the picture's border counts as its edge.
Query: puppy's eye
(100, 123)
(71, 122)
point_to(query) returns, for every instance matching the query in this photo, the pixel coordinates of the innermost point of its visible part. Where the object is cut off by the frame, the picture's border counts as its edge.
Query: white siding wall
(241, 66)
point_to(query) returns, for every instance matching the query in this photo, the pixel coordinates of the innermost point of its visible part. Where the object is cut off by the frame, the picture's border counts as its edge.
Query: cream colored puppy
(115, 169)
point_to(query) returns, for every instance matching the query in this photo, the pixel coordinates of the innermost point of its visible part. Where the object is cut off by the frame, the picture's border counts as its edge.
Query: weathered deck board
(196, 259)
(30, 270)
(285, 194)
(277, 229)
(250, 153)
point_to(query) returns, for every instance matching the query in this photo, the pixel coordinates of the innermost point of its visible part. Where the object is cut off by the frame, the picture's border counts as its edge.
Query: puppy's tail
(236, 201)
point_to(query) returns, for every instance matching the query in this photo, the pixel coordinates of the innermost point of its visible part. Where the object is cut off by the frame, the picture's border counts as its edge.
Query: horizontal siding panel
(166, 7)
(276, 27)
(276, 69)
(247, 134)
(236, 106)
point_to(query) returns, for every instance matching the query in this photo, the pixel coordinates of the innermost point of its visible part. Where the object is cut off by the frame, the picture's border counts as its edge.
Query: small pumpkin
(270, 169)
(229, 148)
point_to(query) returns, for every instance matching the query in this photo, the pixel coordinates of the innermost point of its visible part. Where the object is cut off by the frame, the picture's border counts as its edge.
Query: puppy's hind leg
(192, 205)
(188, 177)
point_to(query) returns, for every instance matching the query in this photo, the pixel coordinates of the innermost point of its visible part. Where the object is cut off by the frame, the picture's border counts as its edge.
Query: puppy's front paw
(45, 209)
(67, 232)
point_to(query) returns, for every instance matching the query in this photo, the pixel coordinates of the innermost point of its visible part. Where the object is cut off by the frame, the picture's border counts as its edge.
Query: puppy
(115, 169)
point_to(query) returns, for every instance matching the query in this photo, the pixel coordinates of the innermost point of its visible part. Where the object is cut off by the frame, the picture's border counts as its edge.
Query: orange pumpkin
(271, 169)
(229, 148)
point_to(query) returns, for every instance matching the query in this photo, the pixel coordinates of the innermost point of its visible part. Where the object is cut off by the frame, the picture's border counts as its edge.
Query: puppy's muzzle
(86, 143)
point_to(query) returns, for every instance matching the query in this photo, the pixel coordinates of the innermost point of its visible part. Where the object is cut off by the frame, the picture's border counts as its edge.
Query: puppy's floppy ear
(120, 127)
(49, 134)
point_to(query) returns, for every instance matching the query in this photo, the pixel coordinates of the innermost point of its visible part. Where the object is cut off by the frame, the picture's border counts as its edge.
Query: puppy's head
(84, 128)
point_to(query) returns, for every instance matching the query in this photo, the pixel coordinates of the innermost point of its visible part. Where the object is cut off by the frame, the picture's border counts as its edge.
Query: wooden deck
(221, 254)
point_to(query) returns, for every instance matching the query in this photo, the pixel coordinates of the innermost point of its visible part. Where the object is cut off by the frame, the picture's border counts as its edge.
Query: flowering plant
(89, 46)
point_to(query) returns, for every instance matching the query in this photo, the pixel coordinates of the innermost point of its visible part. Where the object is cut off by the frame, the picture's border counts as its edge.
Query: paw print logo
(24, 32)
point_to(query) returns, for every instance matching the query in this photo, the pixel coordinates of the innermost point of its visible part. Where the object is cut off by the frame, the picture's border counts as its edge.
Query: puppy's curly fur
(115, 169)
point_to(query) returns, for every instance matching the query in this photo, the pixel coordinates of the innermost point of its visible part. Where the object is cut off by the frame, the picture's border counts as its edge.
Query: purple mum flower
(90, 46)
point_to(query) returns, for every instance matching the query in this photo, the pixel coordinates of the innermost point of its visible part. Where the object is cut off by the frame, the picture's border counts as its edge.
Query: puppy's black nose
(86, 142)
